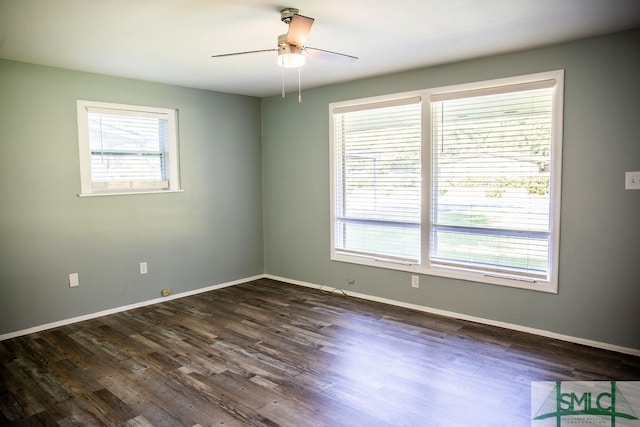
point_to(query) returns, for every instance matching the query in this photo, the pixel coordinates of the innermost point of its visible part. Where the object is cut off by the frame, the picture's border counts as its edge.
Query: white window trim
(86, 187)
(426, 95)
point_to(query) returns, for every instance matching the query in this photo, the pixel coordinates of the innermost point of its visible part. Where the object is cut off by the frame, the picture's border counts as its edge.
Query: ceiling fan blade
(299, 28)
(243, 53)
(327, 55)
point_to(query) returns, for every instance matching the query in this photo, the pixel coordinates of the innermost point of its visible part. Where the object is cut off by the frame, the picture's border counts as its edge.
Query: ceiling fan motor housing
(287, 14)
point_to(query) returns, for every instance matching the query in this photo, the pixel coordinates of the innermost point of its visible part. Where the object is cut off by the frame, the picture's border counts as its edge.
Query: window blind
(377, 157)
(128, 149)
(491, 184)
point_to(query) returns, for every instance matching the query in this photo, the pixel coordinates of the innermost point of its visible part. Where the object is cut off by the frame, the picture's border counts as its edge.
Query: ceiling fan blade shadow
(299, 28)
(328, 55)
(243, 53)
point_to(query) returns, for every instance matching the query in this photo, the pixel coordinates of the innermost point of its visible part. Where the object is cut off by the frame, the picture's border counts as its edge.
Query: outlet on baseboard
(166, 292)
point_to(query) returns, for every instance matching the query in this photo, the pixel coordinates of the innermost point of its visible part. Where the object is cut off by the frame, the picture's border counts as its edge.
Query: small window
(461, 181)
(127, 149)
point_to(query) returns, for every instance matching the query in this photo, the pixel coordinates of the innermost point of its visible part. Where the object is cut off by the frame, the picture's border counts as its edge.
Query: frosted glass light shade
(291, 60)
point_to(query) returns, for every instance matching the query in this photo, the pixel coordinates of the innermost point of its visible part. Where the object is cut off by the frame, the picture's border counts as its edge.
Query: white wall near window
(127, 149)
(460, 181)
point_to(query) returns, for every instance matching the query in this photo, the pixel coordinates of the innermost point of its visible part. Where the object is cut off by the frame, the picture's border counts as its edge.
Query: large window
(126, 149)
(461, 181)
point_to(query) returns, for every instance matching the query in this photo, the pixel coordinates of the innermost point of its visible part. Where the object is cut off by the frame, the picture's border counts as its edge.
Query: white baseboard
(124, 308)
(512, 326)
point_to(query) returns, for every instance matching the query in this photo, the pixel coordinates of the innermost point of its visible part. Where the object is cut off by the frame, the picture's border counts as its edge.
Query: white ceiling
(172, 41)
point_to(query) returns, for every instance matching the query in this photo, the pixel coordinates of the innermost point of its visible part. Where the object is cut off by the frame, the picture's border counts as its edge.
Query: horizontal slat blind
(128, 149)
(491, 181)
(378, 180)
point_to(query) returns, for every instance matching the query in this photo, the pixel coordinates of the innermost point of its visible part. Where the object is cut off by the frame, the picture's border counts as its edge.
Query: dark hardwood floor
(267, 353)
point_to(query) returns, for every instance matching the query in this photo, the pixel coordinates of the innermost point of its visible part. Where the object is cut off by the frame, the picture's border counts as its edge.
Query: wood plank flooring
(267, 353)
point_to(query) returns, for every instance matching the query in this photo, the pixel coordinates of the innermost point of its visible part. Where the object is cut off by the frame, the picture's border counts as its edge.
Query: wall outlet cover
(415, 281)
(74, 280)
(632, 180)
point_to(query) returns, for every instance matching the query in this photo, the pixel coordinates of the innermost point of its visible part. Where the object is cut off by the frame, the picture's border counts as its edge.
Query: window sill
(126, 193)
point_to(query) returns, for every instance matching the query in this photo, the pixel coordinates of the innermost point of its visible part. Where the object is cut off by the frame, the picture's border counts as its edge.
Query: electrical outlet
(166, 292)
(143, 267)
(74, 280)
(632, 180)
(415, 281)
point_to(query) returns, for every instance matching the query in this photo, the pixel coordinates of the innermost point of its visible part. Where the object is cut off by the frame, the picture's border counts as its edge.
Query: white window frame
(550, 284)
(90, 188)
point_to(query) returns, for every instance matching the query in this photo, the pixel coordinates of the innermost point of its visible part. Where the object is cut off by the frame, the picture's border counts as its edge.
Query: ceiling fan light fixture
(290, 56)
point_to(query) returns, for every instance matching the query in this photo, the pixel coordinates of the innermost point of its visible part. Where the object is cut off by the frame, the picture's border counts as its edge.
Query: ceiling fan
(292, 51)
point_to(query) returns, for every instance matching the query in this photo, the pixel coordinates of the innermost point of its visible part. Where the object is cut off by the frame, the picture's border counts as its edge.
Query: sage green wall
(599, 282)
(209, 234)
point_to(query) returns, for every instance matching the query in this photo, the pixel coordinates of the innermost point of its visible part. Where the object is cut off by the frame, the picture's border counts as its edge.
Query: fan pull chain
(299, 87)
(282, 68)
